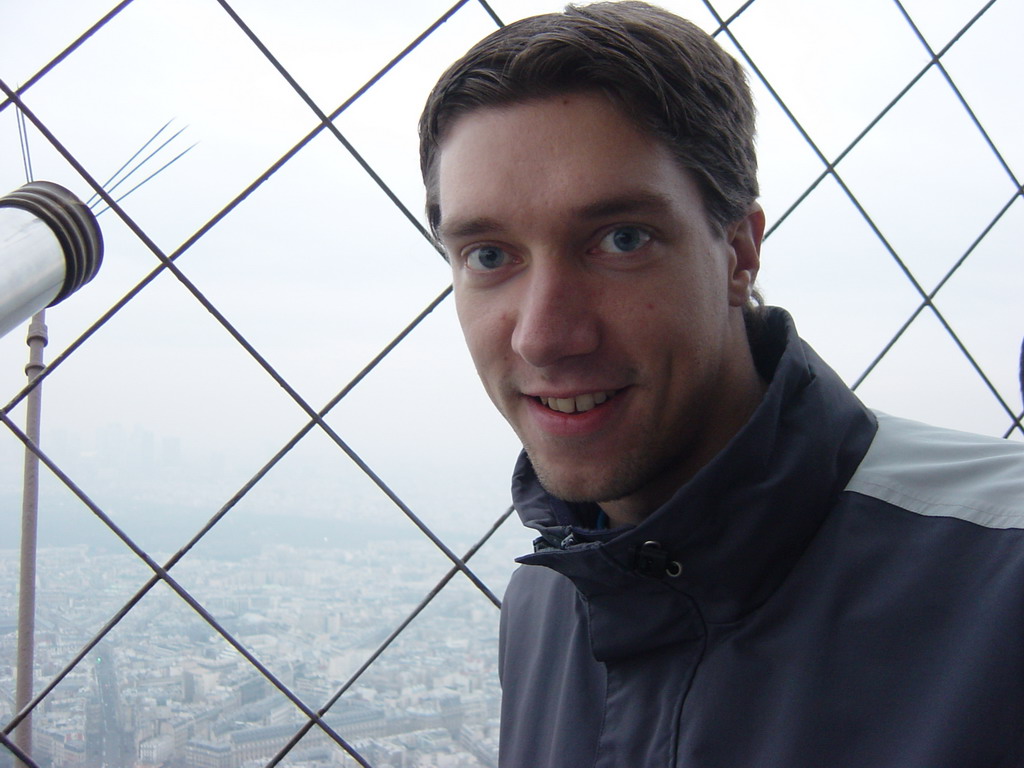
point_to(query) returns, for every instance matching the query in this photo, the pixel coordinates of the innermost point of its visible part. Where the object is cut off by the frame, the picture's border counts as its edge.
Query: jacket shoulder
(941, 472)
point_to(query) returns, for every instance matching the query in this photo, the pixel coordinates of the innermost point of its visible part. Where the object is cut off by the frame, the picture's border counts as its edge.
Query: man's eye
(486, 258)
(624, 240)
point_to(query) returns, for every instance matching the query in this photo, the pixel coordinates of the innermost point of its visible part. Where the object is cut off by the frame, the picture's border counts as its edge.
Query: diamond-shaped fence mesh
(273, 500)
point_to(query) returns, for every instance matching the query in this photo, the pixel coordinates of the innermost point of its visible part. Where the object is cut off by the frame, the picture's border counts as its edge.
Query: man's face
(601, 308)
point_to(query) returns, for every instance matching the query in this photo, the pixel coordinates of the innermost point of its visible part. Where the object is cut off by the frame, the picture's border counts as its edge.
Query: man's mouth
(577, 404)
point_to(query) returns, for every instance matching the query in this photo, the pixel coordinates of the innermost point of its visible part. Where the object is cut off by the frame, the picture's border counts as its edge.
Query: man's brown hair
(666, 73)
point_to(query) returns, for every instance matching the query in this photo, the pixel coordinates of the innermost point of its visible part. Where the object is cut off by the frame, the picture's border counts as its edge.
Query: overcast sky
(318, 270)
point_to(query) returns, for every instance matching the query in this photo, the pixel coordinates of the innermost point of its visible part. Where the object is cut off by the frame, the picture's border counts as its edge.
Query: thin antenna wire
(138, 152)
(154, 173)
(26, 155)
(94, 202)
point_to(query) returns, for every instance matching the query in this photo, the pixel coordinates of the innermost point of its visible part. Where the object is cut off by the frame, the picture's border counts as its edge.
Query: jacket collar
(727, 538)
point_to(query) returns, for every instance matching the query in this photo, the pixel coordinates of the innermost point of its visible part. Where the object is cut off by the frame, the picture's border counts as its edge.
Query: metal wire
(867, 129)
(110, 185)
(26, 155)
(173, 584)
(830, 170)
(936, 60)
(324, 119)
(238, 496)
(17, 751)
(67, 51)
(390, 639)
(270, 370)
(244, 343)
(167, 262)
(220, 215)
(490, 12)
(316, 418)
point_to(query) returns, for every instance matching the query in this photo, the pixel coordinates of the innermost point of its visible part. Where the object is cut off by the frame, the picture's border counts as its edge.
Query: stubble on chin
(583, 484)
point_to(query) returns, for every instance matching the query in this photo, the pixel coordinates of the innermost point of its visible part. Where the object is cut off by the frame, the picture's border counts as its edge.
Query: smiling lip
(575, 417)
(577, 403)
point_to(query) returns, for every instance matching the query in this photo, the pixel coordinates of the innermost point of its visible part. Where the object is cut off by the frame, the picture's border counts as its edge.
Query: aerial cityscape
(163, 688)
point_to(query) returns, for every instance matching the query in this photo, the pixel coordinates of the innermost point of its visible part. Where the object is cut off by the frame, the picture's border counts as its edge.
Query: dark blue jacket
(835, 589)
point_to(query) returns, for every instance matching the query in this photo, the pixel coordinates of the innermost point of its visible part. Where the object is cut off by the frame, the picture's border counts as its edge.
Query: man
(738, 564)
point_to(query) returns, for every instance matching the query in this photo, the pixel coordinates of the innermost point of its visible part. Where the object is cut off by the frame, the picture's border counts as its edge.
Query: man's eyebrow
(460, 229)
(623, 205)
(617, 205)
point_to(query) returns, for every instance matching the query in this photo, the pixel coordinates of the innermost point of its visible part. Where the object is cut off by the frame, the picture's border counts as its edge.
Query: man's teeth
(578, 404)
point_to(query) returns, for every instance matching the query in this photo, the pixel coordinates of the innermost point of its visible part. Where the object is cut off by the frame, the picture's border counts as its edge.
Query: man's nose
(557, 317)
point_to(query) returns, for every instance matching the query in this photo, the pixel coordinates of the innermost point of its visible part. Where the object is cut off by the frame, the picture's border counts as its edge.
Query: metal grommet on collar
(652, 560)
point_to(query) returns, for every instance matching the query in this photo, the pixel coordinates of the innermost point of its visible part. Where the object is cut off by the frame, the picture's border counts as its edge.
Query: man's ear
(744, 237)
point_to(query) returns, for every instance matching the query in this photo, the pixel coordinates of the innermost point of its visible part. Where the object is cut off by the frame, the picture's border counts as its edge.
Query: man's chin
(579, 485)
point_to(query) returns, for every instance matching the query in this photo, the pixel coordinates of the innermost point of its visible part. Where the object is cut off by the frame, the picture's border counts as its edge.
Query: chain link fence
(274, 522)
